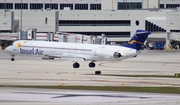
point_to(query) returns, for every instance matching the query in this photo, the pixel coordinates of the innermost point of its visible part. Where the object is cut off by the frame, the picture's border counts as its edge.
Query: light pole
(21, 16)
(5, 8)
(50, 4)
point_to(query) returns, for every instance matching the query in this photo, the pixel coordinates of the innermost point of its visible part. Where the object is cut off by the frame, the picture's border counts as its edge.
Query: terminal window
(18, 6)
(107, 34)
(36, 6)
(5, 31)
(81, 6)
(174, 30)
(95, 6)
(62, 6)
(129, 5)
(94, 22)
(52, 6)
(161, 6)
(172, 5)
(6, 5)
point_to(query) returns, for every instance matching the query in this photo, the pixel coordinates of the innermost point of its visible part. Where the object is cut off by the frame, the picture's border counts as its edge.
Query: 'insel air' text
(31, 51)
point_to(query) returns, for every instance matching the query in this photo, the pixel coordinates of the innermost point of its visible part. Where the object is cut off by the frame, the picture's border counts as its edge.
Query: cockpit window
(11, 44)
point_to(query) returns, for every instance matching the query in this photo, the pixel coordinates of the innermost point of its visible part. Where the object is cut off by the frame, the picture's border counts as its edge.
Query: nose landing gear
(12, 59)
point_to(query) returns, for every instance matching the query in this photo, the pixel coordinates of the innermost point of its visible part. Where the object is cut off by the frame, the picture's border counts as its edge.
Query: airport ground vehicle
(159, 45)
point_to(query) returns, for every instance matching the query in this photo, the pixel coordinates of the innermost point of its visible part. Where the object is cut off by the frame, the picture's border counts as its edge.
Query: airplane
(78, 52)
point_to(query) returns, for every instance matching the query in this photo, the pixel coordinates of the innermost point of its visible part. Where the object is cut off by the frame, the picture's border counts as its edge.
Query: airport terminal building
(117, 19)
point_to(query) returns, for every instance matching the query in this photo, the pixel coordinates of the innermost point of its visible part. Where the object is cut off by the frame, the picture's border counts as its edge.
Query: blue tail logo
(138, 39)
(133, 41)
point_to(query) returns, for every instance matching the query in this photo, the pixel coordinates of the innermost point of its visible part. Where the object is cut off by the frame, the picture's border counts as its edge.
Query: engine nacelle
(117, 55)
(106, 53)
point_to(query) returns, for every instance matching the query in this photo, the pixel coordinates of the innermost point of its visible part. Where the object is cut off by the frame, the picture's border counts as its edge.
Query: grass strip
(172, 90)
(126, 75)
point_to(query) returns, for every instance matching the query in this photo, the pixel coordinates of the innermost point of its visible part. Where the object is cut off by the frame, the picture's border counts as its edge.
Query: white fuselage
(60, 49)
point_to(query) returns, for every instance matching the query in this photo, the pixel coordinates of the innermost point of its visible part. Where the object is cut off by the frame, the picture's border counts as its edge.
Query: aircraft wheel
(92, 64)
(51, 58)
(76, 65)
(12, 59)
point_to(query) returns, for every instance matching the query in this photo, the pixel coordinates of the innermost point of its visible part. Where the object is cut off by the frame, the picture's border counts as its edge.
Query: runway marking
(103, 65)
(122, 85)
(153, 62)
(157, 83)
(100, 64)
(63, 84)
(47, 72)
(73, 73)
(61, 95)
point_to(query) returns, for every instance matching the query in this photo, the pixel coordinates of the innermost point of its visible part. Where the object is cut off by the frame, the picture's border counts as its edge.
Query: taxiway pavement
(31, 96)
(35, 71)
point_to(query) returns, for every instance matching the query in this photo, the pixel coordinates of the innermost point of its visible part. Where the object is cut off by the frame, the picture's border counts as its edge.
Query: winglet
(138, 39)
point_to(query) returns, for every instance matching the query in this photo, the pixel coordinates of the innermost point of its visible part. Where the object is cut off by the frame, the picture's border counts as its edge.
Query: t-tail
(138, 39)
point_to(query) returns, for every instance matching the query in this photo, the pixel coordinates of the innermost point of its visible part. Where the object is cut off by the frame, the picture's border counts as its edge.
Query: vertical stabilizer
(138, 39)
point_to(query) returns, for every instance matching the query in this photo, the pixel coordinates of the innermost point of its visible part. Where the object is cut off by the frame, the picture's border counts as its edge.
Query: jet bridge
(175, 37)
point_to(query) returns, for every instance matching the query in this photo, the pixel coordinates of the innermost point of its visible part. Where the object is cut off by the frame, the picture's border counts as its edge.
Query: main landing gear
(92, 64)
(77, 65)
(12, 59)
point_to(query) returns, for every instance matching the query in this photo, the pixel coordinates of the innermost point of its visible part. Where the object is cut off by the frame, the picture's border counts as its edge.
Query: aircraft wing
(69, 57)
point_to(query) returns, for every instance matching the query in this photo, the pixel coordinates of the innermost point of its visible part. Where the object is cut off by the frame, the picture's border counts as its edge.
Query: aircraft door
(95, 52)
